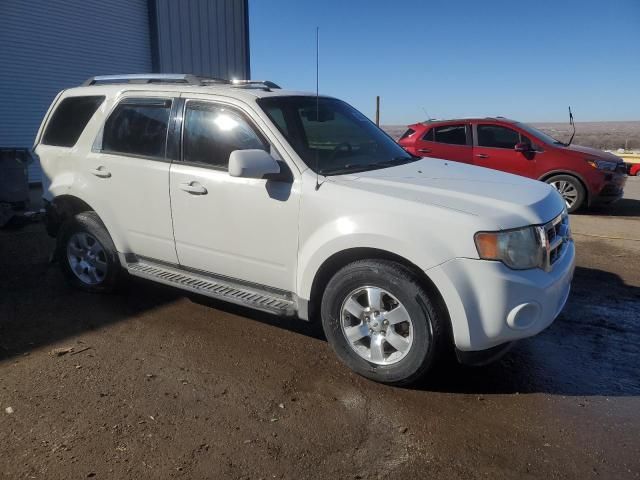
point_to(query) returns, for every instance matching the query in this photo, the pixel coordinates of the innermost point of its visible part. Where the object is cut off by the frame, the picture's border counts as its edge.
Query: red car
(584, 176)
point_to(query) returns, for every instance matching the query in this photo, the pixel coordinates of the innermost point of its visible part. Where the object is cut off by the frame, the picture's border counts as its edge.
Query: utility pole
(378, 110)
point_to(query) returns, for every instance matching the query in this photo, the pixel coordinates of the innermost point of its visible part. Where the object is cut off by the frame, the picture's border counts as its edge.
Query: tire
(428, 337)
(87, 255)
(571, 190)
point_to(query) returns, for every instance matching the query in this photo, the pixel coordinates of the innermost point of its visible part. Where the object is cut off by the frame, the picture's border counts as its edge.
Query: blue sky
(525, 60)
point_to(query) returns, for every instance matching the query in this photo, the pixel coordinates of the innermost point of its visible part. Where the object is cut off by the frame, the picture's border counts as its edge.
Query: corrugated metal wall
(49, 45)
(204, 37)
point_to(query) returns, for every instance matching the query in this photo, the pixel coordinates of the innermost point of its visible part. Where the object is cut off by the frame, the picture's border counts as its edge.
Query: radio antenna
(317, 102)
(571, 122)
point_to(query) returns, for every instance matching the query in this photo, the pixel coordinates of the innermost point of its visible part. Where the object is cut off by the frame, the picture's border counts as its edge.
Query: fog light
(523, 316)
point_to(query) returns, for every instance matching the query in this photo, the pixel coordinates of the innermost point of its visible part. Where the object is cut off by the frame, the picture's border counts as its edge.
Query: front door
(241, 228)
(494, 147)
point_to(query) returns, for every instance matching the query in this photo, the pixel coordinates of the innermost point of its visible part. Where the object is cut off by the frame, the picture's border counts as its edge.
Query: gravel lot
(159, 384)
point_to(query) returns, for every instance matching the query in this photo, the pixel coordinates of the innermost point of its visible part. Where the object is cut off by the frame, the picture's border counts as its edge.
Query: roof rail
(264, 84)
(152, 78)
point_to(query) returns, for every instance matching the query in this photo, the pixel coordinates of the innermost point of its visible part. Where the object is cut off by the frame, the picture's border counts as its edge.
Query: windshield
(548, 139)
(332, 137)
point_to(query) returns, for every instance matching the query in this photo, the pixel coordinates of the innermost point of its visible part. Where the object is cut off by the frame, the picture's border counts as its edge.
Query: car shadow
(625, 207)
(38, 308)
(593, 348)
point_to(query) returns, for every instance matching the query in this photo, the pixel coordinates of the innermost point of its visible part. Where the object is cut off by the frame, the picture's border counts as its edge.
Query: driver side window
(496, 136)
(212, 132)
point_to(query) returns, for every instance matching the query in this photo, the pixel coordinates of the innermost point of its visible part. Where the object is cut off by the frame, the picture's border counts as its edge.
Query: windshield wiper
(354, 168)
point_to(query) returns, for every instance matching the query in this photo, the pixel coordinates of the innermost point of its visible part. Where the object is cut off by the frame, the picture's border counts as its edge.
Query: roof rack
(263, 84)
(153, 78)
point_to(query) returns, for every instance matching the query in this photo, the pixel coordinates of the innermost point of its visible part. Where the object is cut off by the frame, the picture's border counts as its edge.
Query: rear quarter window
(408, 133)
(69, 120)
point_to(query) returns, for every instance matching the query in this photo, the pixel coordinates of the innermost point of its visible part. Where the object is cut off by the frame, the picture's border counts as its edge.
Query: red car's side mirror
(522, 147)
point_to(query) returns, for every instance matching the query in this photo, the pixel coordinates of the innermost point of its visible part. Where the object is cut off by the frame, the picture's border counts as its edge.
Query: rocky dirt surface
(152, 383)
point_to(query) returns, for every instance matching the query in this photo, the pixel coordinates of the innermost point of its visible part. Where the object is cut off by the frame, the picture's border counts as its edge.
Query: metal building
(49, 45)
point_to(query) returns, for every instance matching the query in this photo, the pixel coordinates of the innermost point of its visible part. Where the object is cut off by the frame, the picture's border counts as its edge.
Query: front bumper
(611, 191)
(490, 304)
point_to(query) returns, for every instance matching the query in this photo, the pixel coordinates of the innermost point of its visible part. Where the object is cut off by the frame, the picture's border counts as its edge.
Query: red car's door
(450, 142)
(494, 147)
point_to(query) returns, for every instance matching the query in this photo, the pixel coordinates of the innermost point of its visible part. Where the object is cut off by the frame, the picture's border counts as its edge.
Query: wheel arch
(568, 173)
(342, 258)
(63, 207)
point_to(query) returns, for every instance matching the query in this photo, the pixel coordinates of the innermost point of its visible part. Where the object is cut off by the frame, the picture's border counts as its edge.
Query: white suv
(299, 205)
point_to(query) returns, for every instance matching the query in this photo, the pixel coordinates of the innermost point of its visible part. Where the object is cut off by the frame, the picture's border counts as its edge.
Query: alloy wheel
(568, 191)
(376, 325)
(87, 258)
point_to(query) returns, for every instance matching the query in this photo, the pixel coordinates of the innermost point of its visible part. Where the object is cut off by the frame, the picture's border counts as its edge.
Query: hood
(594, 153)
(510, 201)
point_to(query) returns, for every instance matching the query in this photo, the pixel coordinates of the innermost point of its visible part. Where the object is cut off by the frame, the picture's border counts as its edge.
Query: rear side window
(212, 132)
(69, 119)
(138, 127)
(451, 134)
(496, 136)
(429, 135)
(408, 133)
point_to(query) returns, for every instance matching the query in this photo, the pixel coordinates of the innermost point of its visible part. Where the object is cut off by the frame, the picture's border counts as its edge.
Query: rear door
(127, 174)
(450, 142)
(494, 147)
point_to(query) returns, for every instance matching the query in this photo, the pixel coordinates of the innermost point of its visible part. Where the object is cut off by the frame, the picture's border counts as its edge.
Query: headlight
(603, 165)
(518, 249)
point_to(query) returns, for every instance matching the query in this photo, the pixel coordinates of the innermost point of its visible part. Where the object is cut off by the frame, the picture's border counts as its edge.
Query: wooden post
(378, 110)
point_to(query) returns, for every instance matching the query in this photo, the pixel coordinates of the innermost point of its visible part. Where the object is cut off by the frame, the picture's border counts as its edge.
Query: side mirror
(522, 147)
(252, 164)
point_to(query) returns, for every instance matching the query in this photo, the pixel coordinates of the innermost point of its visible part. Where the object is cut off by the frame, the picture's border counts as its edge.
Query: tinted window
(497, 137)
(429, 135)
(278, 118)
(408, 133)
(452, 134)
(212, 132)
(138, 128)
(332, 137)
(69, 119)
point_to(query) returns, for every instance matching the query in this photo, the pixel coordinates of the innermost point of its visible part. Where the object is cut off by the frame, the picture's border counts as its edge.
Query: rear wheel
(381, 322)
(571, 190)
(87, 254)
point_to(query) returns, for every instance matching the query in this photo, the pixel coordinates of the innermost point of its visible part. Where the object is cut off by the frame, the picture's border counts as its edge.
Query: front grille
(555, 237)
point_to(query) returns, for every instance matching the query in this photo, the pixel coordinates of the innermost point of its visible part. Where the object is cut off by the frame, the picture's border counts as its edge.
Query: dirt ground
(160, 384)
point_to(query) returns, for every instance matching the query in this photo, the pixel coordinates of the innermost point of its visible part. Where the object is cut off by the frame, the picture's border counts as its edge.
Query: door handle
(424, 150)
(193, 188)
(482, 155)
(101, 172)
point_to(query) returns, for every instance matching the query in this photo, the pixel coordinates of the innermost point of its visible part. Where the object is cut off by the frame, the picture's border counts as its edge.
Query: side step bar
(222, 289)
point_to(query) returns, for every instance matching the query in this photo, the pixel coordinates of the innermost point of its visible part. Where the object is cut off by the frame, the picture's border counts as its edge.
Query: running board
(217, 288)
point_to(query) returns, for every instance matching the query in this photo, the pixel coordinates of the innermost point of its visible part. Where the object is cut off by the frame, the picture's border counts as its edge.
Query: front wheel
(571, 190)
(381, 322)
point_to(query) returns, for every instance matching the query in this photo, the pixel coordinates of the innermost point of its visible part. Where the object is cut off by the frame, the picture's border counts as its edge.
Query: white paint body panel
(278, 234)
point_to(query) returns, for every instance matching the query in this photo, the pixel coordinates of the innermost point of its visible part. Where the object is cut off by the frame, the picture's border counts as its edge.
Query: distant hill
(604, 135)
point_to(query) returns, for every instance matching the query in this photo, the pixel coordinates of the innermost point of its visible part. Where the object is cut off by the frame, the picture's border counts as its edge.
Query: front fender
(412, 243)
